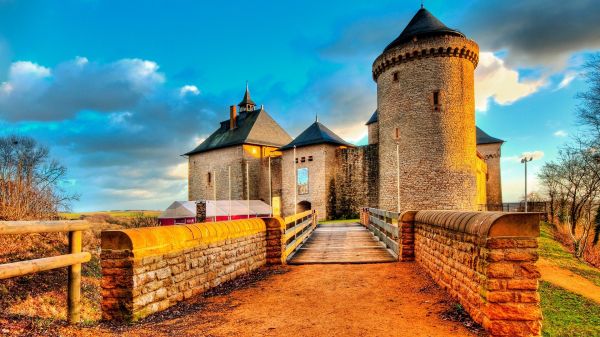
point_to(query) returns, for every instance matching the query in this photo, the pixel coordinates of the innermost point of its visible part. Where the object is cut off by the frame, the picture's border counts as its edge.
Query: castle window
(303, 159)
(396, 76)
(208, 178)
(397, 135)
(296, 160)
(310, 158)
(436, 100)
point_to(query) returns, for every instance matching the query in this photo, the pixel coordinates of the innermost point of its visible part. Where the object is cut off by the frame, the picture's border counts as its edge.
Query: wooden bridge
(345, 242)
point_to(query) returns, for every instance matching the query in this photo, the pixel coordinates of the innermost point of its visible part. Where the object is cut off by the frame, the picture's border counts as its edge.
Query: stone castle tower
(426, 110)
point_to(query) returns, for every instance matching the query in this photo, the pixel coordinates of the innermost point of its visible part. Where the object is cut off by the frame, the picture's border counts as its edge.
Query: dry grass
(37, 303)
(592, 252)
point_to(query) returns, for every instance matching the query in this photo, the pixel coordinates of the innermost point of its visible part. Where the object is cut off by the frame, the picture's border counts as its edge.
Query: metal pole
(398, 175)
(248, 189)
(215, 194)
(295, 183)
(525, 185)
(229, 168)
(270, 187)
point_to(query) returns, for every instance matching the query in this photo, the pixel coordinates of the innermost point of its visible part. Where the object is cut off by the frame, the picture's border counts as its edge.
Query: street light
(524, 160)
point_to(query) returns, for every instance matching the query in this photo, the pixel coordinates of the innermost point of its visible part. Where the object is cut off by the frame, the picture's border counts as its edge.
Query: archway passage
(304, 206)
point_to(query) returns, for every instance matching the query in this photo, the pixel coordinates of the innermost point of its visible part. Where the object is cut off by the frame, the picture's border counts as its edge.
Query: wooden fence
(72, 260)
(298, 227)
(384, 225)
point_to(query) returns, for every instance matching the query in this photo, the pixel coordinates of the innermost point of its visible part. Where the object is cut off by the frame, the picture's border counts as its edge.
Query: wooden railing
(384, 225)
(72, 260)
(298, 228)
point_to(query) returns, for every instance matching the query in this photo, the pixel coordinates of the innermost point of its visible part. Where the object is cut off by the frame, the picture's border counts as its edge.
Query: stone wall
(491, 154)
(217, 163)
(355, 183)
(147, 270)
(320, 176)
(437, 142)
(486, 261)
(373, 131)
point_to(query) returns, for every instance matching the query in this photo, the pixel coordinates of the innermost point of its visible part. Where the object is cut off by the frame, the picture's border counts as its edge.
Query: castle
(424, 150)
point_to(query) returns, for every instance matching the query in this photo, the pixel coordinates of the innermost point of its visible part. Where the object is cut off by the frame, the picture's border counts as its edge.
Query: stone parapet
(486, 261)
(147, 270)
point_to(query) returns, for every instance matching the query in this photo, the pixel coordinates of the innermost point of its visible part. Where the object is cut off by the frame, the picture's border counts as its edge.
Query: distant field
(114, 214)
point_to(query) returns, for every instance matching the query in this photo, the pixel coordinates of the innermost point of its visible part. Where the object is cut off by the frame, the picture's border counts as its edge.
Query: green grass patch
(554, 251)
(568, 314)
(339, 221)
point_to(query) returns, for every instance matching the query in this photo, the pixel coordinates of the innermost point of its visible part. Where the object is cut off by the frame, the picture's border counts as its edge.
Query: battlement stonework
(426, 104)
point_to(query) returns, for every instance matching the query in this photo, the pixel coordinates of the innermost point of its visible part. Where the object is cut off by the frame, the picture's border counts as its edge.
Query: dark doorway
(304, 206)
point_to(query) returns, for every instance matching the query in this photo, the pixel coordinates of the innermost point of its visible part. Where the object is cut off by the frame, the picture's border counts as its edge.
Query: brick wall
(147, 270)
(355, 181)
(437, 144)
(486, 261)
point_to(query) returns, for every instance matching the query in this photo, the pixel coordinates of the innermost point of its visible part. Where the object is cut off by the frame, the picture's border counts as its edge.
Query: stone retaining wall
(147, 270)
(485, 260)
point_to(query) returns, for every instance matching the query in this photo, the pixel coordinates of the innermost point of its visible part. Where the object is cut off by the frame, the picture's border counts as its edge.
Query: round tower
(426, 110)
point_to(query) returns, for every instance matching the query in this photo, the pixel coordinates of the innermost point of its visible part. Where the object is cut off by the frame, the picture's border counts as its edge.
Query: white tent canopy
(216, 208)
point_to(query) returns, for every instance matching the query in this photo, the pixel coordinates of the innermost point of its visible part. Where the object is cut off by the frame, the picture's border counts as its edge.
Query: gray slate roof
(374, 118)
(317, 133)
(484, 138)
(253, 127)
(423, 24)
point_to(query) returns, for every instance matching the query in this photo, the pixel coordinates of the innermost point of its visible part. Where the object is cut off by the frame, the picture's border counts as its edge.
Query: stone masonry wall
(320, 176)
(356, 181)
(491, 154)
(486, 261)
(149, 269)
(437, 143)
(216, 160)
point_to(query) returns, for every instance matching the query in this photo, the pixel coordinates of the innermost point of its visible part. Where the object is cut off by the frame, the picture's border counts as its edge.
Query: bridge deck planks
(342, 243)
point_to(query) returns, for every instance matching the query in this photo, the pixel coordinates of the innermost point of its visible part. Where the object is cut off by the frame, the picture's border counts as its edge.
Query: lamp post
(524, 160)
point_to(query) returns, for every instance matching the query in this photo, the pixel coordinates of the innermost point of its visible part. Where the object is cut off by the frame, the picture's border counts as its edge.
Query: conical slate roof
(422, 24)
(374, 118)
(317, 133)
(246, 100)
(484, 138)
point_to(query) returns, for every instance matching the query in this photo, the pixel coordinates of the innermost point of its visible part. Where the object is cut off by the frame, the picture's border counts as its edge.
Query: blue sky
(119, 89)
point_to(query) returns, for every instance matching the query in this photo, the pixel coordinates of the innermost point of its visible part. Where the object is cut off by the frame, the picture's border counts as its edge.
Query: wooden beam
(74, 281)
(21, 268)
(292, 218)
(298, 228)
(28, 227)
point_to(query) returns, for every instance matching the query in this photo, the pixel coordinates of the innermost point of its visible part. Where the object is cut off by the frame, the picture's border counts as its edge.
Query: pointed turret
(423, 24)
(247, 104)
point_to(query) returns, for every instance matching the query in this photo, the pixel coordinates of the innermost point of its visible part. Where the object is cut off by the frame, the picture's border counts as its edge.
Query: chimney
(232, 117)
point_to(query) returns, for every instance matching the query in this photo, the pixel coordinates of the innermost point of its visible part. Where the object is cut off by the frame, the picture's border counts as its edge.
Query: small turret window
(396, 76)
(436, 100)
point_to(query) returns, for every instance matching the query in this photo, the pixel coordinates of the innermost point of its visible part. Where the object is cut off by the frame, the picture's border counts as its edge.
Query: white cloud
(567, 79)
(535, 155)
(560, 133)
(494, 80)
(189, 89)
(179, 171)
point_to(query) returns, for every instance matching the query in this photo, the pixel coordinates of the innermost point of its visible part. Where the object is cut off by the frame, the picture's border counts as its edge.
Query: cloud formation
(560, 133)
(535, 32)
(36, 93)
(494, 80)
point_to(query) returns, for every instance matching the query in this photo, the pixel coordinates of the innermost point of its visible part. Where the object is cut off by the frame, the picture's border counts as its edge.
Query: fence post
(74, 283)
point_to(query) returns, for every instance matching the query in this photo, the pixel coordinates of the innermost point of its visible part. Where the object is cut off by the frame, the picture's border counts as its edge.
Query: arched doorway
(304, 206)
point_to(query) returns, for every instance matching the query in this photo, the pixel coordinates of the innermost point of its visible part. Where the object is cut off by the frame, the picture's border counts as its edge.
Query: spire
(247, 104)
(317, 117)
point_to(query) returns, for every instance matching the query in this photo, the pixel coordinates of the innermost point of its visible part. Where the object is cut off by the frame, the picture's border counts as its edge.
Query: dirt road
(392, 299)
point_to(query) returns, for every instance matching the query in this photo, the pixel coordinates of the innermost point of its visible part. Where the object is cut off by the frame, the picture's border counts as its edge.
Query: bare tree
(589, 107)
(30, 180)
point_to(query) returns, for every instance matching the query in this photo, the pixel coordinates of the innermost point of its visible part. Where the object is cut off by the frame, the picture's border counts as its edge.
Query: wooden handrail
(23, 268)
(292, 218)
(72, 260)
(28, 227)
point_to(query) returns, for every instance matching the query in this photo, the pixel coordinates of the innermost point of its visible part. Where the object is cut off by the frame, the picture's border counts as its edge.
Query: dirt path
(393, 299)
(566, 279)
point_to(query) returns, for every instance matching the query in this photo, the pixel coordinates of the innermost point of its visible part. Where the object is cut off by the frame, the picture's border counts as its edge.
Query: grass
(568, 314)
(339, 221)
(115, 214)
(552, 250)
